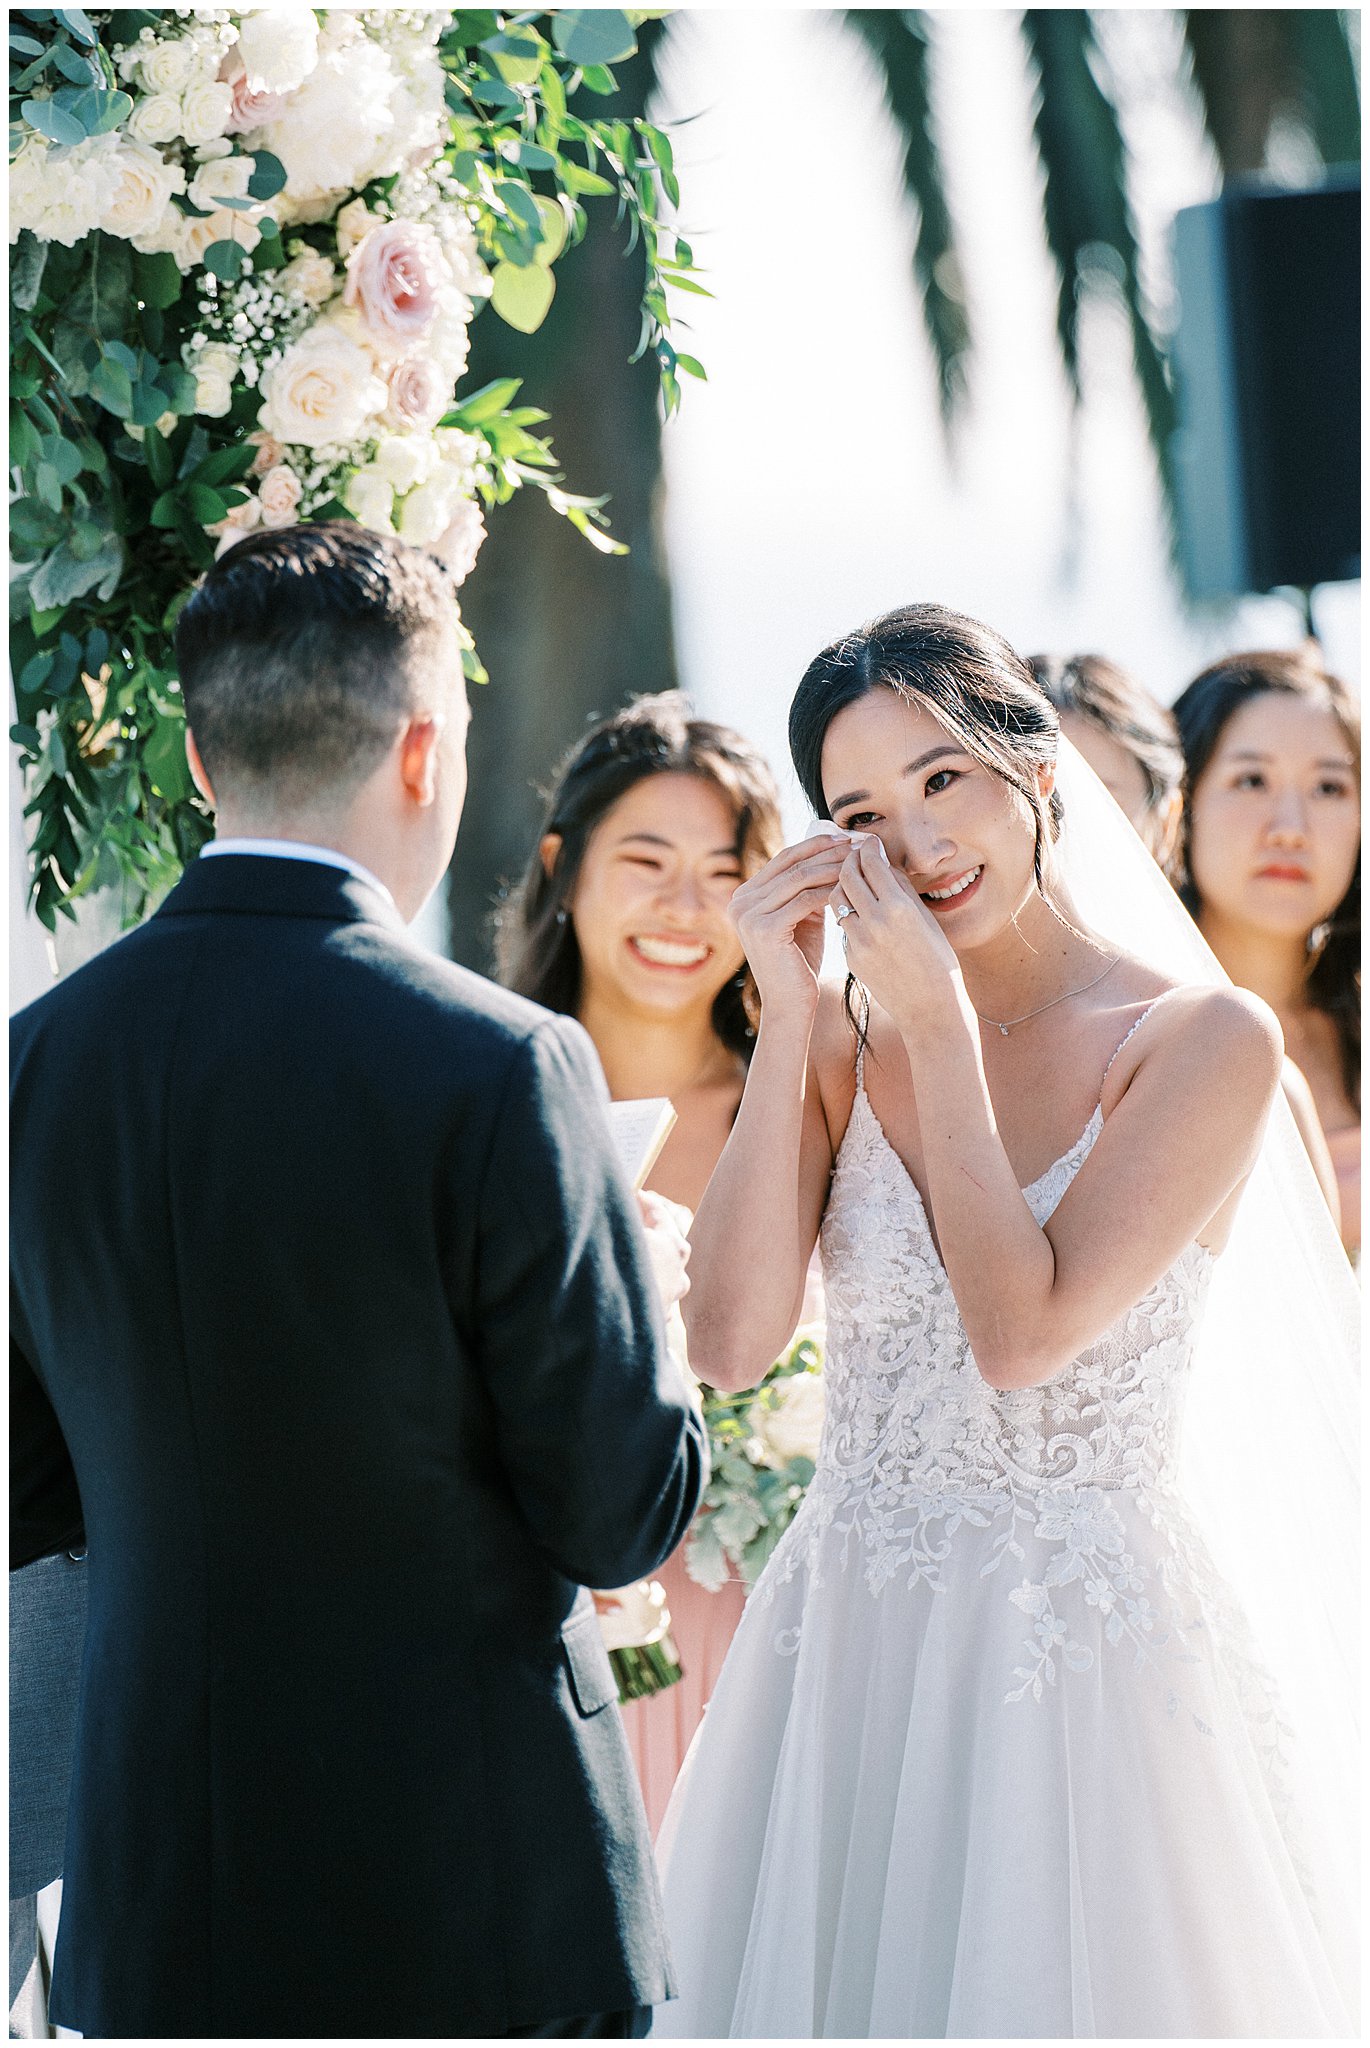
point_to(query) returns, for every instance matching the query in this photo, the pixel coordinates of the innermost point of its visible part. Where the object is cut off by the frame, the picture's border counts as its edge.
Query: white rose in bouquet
(196, 233)
(353, 224)
(788, 1422)
(370, 499)
(205, 112)
(630, 1616)
(222, 177)
(141, 199)
(404, 460)
(166, 67)
(310, 277)
(279, 47)
(427, 511)
(323, 389)
(280, 492)
(214, 372)
(460, 542)
(156, 119)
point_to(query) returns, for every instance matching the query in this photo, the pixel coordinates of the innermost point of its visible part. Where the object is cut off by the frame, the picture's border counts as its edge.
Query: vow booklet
(640, 1129)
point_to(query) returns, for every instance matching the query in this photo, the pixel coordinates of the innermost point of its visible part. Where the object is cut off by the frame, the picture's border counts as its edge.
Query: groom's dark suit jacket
(333, 1329)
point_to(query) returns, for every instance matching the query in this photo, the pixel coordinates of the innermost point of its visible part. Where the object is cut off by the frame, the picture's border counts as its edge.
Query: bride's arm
(756, 1224)
(1181, 1140)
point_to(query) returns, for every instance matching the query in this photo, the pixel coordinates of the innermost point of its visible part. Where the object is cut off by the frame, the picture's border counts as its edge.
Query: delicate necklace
(1028, 1015)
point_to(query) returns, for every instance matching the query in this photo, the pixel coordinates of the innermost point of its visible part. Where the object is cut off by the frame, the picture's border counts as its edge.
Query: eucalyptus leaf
(593, 35)
(52, 121)
(225, 259)
(27, 264)
(104, 297)
(268, 178)
(64, 576)
(157, 279)
(64, 457)
(112, 387)
(80, 70)
(522, 296)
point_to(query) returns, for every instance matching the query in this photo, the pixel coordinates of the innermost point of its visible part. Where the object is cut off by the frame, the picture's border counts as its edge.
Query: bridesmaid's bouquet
(764, 1443)
(635, 1623)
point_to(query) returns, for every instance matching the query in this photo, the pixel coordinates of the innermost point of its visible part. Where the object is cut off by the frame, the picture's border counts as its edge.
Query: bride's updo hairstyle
(536, 947)
(984, 694)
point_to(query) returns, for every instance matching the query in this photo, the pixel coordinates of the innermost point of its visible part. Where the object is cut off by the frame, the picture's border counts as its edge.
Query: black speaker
(1267, 365)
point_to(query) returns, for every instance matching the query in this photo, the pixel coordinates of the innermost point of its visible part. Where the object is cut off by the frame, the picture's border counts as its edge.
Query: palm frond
(1239, 57)
(899, 41)
(1085, 203)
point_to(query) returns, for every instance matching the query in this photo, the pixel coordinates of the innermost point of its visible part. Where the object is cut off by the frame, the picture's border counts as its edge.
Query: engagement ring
(845, 910)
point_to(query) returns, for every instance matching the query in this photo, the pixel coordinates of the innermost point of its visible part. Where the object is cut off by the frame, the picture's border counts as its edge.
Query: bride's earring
(562, 915)
(1317, 938)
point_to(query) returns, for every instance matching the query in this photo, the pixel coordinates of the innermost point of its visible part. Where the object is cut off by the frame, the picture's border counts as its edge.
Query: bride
(995, 1752)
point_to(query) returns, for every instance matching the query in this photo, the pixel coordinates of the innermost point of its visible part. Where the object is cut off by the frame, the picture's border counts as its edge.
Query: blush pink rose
(250, 109)
(394, 277)
(269, 452)
(280, 492)
(419, 393)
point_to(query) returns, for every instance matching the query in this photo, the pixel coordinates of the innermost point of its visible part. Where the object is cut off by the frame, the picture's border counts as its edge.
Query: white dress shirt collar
(296, 849)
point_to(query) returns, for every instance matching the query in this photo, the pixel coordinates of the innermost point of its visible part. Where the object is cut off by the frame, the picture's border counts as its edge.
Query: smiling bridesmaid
(622, 922)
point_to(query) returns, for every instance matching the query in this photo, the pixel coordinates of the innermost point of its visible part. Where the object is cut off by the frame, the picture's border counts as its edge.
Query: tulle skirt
(869, 1839)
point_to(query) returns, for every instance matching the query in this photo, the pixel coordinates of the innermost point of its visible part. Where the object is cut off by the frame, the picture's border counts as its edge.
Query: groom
(333, 1329)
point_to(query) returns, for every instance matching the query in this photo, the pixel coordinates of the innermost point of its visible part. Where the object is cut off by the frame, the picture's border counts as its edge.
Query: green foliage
(752, 1496)
(118, 477)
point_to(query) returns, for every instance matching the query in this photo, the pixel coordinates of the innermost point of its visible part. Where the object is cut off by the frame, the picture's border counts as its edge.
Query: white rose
(633, 1615)
(219, 356)
(197, 234)
(205, 111)
(323, 389)
(142, 198)
(310, 277)
(213, 392)
(224, 177)
(280, 491)
(354, 224)
(427, 511)
(166, 67)
(369, 498)
(156, 118)
(460, 540)
(793, 1426)
(404, 460)
(279, 47)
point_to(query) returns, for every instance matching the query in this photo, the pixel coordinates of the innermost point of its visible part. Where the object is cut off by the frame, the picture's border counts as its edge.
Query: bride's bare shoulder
(1207, 1032)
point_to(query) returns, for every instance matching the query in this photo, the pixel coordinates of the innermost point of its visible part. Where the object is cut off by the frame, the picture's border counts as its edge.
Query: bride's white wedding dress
(992, 1754)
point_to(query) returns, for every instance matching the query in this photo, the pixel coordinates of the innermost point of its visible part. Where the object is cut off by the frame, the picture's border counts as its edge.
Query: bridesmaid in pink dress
(622, 922)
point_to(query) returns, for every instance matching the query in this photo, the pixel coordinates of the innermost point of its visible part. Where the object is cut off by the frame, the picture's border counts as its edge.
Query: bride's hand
(779, 918)
(894, 944)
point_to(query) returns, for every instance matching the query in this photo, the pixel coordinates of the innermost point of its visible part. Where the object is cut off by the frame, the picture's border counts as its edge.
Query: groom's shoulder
(457, 1004)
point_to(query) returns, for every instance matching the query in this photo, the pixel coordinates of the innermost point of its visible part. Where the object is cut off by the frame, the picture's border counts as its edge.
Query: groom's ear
(549, 849)
(199, 775)
(419, 757)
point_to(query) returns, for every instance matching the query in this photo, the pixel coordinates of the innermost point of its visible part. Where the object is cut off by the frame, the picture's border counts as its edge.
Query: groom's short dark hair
(301, 647)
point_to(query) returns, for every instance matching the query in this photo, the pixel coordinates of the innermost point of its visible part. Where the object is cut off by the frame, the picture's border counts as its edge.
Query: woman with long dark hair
(1270, 867)
(993, 1753)
(1127, 737)
(621, 921)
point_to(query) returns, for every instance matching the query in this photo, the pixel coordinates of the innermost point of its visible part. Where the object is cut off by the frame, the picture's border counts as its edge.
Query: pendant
(1004, 1030)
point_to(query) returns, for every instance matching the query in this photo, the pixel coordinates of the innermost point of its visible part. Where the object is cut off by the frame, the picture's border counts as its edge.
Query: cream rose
(280, 491)
(394, 277)
(420, 393)
(427, 511)
(404, 460)
(369, 498)
(354, 223)
(632, 1616)
(269, 452)
(310, 277)
(213, 393)
(205, 112)
(789, 1420)
(223, 177)
(141, 198)
(156, 119)
(223, 226)
(241, 519)
(166, 67)
(278, 47)
(323, 389)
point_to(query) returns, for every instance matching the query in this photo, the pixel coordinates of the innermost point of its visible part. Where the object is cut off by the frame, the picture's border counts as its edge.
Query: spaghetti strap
(1136, 1027)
